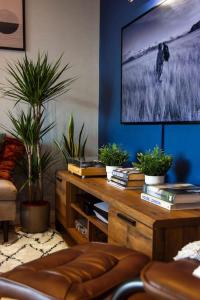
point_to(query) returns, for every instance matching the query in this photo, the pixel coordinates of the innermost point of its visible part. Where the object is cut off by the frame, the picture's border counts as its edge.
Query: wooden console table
(133, 223)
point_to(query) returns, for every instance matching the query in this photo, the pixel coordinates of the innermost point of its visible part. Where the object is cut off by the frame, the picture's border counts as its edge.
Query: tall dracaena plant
(36, 83)
(26, 128)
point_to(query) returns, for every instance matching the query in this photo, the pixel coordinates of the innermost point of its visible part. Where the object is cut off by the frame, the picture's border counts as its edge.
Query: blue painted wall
(182, 141)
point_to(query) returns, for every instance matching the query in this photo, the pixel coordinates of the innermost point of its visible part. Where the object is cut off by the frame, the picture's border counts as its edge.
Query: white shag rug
(28, 247)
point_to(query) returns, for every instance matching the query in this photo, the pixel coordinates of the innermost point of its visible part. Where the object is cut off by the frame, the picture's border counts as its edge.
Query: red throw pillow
(11, 152)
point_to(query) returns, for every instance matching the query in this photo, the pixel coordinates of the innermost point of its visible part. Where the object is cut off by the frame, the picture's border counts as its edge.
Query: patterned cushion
(11, 152)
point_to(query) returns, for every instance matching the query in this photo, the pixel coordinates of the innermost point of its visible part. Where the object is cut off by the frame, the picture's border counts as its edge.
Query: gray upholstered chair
(8, 194)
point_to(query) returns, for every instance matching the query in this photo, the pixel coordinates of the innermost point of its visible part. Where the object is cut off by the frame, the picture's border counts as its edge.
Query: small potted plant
(154, 164)
(70, 147)
(112, 156)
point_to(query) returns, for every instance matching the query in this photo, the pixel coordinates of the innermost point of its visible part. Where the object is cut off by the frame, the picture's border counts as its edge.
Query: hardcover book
(101, 211)
(127, 183)
(169, 206)
(174, 193)
(87, 171)
(128, 174)
(121, 187)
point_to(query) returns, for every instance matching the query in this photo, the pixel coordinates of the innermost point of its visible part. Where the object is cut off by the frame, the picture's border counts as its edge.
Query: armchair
(93, 271)
(8, 193)
(10, 152)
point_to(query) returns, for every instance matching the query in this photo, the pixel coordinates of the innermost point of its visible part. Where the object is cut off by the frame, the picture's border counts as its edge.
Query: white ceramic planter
(154, 179)
(109, 170)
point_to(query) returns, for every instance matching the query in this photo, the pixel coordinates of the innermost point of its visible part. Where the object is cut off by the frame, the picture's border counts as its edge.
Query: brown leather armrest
(172, 281)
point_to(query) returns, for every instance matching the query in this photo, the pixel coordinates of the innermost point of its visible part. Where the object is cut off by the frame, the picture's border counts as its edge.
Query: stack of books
(173, 196)
(127, 178)
(101, 211)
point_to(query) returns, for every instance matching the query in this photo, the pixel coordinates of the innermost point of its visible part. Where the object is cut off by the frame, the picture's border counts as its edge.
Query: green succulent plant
(112, 155)
(153, 163)
(69, 147)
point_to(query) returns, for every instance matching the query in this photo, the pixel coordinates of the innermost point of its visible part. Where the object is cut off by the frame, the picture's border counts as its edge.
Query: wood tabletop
(129, 201)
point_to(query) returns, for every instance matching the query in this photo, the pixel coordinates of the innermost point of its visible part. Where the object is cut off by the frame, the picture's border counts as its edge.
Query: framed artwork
(161, 65)
(12, 24)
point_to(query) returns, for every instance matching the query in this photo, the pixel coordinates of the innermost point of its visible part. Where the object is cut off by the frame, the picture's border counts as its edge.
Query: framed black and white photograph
(161, 65)
(12, 31)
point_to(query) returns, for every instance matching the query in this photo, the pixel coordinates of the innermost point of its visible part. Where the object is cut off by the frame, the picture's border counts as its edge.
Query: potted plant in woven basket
(35, 83)
(112, 156)
(154, 164)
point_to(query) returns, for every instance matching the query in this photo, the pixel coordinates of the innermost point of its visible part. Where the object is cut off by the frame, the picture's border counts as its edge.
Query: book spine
(156, 201)
(166, 196)
(121, 187)
(116, 185)
(127, 183)
(120, 175)
(120, 181)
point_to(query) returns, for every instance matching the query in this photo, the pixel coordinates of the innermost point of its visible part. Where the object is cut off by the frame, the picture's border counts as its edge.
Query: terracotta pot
(35, 216)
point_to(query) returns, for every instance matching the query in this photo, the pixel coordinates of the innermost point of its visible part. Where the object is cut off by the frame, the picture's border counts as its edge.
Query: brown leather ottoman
(83, 272)
(163, 281)
(171, 281)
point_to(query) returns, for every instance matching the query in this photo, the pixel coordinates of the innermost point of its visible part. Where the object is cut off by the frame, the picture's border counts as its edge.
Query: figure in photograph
(162, 56)
(166, 53)
(159, 62)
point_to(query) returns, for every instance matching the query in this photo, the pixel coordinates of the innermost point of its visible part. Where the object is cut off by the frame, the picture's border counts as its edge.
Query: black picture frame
(12, 34)
(188, 104)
